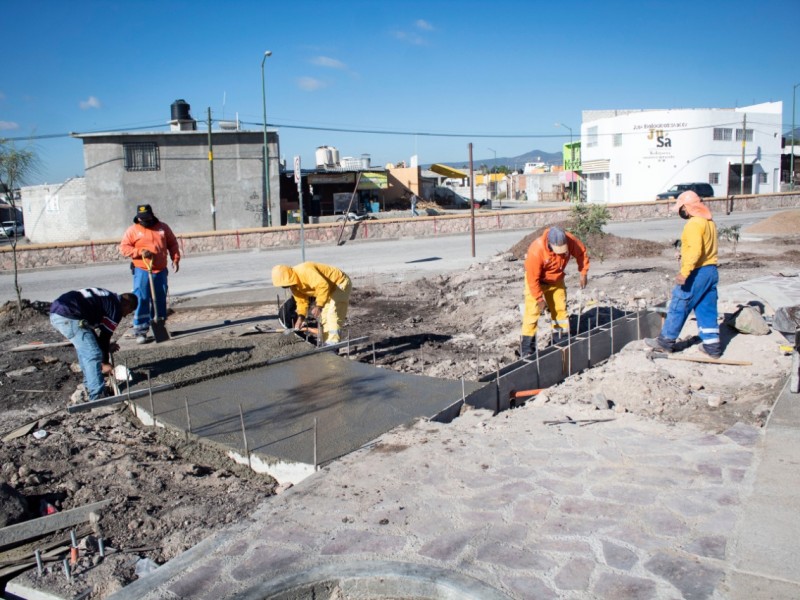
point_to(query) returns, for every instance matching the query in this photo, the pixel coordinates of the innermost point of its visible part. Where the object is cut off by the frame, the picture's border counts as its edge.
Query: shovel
(160, 333)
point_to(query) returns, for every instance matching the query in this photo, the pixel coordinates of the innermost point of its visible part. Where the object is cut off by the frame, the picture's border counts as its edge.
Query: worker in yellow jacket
(696, 283)
(330, 289)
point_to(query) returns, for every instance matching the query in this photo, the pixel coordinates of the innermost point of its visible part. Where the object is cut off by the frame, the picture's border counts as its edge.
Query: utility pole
(211, 166)
(791, 160)
(744, 140)
(472, 198)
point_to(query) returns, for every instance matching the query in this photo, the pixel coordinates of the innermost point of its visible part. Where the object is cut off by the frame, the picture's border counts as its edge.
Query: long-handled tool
(160, 333)
(113, 375)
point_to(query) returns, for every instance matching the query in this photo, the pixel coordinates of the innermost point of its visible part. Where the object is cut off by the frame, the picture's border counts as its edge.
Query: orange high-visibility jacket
(159, 240)
(542, 265)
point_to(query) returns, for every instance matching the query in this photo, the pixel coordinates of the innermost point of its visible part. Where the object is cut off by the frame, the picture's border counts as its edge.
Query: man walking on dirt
(696, 288)
(545, 263)
(76, 315)
(147, 242)
(330, 288)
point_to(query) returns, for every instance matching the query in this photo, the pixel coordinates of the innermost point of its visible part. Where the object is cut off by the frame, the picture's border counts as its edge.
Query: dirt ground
(167, 495)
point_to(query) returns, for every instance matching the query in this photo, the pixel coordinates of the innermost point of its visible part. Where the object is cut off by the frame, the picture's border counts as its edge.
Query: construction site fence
(33, 256)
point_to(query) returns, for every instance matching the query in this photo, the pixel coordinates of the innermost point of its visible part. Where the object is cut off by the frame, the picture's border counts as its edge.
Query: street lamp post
(571, 152)
(791, 160)
(494, 183)
(267, 54)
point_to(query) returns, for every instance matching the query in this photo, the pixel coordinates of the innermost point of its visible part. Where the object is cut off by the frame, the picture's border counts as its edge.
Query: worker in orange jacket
(545, 262)
(328, 286)
(148, 242)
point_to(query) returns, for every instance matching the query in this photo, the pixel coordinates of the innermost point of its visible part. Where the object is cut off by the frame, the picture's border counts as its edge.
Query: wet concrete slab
(303, 412)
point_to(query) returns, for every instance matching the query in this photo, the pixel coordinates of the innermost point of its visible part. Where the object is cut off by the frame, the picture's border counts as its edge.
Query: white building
(632, 155)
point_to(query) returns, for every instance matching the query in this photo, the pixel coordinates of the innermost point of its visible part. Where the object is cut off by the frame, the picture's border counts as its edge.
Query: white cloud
(8, 125)
(90, 102)
(310, 84)
(330, 63)
(423, 24)
(410, 38)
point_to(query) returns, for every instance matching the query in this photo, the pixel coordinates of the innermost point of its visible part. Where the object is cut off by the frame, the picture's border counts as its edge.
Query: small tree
(731, 234)
(16, 166)
(589, 219)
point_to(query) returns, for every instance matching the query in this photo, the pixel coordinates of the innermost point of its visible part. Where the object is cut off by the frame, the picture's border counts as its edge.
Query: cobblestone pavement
(619, 509)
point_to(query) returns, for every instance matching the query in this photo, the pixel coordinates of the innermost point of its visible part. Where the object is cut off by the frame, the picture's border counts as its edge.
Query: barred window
(723, 134)
(591, 137)
(618, 179)
(713, 178)
(748, 136)
(617, 139)
(142, 156)
(762, 178)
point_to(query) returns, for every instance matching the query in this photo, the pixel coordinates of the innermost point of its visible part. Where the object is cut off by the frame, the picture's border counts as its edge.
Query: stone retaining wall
(103, 251)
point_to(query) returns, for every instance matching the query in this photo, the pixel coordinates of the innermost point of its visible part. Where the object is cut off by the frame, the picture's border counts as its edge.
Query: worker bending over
(76, 315)
(696, 288)
(328, 285)
(545, 262)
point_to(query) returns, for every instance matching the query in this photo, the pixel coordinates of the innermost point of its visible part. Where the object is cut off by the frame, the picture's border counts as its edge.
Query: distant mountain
(518, 162)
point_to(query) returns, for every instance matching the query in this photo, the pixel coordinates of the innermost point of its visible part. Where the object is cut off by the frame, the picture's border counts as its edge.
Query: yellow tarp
(448, 171)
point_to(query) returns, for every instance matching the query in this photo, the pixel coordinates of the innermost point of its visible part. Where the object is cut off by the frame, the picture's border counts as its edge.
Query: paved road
(407, 258)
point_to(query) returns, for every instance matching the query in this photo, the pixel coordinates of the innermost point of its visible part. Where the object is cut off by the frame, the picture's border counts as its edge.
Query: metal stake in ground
(244, 437)
(188, 417)
(150, 393)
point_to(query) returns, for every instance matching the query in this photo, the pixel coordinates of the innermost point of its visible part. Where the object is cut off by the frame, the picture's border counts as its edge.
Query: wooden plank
(38, 345)
(702, 359)
(111, 400)
(37, 527)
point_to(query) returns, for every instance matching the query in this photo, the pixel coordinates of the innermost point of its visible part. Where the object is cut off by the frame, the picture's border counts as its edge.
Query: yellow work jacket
(698, 244)
(318, 281)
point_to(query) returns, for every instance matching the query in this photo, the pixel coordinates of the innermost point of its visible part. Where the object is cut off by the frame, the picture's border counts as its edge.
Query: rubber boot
(526, 345)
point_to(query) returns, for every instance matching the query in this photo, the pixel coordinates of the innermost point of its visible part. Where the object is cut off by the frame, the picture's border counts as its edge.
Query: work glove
(147, 254)
(584, 279)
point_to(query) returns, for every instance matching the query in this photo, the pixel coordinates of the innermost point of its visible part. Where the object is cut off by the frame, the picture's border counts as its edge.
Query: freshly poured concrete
(353, 403)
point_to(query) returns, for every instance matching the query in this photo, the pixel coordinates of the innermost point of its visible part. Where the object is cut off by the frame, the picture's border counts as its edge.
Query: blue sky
(481, 71)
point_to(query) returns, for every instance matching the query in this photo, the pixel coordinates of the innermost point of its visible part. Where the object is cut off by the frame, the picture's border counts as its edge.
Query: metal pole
(300, 201)
(472, 198)
(744, 139)
(266, 147)
(211, 168)
(791, 160)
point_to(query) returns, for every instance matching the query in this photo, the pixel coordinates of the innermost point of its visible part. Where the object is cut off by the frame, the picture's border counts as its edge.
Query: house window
(591, 137)
(618, 179)
(723, 134)
(713, 178)
(617, 139)
(762, 178)
(748, 136)
(143, 156)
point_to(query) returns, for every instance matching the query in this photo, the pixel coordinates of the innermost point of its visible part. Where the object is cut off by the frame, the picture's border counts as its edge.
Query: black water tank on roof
(180, 111)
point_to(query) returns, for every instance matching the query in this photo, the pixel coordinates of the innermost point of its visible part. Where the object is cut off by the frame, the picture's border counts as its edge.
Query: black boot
(526, 345)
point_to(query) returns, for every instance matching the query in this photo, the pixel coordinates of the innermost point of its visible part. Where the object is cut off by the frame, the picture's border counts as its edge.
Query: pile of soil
(167, 494)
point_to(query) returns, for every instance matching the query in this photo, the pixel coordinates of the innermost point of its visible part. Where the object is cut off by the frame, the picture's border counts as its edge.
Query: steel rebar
(244, 437)
(39, 565)
(150, 393)
(188, 415)
(315, 443)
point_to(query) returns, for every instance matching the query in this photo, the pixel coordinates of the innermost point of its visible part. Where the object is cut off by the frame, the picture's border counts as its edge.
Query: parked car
(13, 229)
(704, 190)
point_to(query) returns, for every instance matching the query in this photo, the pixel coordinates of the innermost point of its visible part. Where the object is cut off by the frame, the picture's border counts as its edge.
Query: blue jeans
(141, 287)
(698, 294)
(90, 357)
